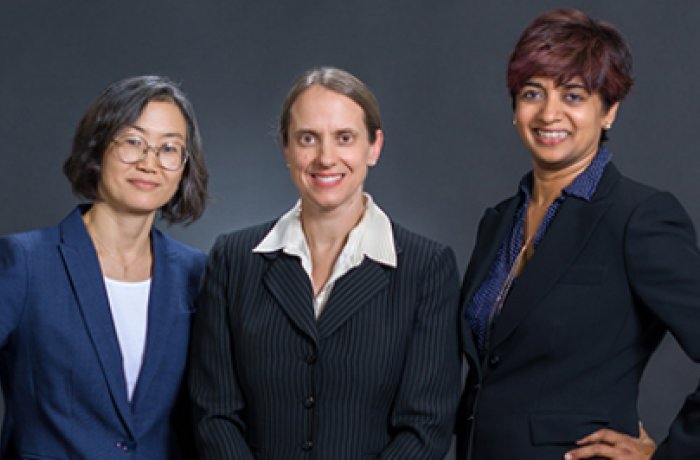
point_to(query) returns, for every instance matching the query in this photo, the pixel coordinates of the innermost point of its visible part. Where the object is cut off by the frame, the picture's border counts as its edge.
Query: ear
(376, 148)
(609, 117)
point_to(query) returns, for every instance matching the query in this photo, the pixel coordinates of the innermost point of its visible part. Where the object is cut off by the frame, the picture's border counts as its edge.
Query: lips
(551, 136)
(327, 180)
(143, 184)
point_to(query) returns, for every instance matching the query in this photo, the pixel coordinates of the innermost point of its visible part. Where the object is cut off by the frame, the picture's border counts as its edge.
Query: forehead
(319, 105)
(160, 117)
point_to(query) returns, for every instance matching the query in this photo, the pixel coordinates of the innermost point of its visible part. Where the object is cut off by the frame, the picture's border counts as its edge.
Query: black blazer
(610, 277)
(378, 374)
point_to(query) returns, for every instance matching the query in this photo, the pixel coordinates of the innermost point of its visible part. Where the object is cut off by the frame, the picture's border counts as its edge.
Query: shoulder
(411, 245)
(243, 240)
(632, 197)
(632, 191)
(187, 257)
(33, 241)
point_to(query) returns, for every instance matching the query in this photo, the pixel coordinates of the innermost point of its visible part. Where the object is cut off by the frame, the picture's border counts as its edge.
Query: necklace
(119, 268)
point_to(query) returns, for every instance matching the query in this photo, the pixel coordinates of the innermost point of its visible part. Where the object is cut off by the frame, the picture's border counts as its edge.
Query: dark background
(437, 68)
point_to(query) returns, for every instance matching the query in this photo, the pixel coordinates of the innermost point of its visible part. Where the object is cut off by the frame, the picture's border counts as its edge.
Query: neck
(329, 229)
(548, 183)
(122, 241)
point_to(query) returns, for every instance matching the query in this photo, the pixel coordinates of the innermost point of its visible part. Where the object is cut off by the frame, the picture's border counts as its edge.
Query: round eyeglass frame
(184, 154)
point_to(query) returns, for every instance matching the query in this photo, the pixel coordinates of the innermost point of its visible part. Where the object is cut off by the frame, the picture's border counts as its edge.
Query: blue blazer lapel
(570, 230)
(493, 229)
(161, 313)
(84, 271)
(290, 286)
(350, 293)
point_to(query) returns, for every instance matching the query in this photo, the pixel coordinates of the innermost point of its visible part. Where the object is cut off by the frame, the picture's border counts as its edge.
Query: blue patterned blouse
(480, 306)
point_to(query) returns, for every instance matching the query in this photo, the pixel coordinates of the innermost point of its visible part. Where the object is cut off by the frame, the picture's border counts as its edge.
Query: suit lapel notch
(352, 292)
(290, 286)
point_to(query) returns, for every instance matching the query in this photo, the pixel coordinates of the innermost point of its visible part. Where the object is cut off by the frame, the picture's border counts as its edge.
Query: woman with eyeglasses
(95, 312)
(574, 280)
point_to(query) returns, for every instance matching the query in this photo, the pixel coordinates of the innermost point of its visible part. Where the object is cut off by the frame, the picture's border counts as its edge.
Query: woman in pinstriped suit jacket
(330, 332)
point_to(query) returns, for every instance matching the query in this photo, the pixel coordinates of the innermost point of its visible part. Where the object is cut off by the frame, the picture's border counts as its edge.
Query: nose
(551, 110)
(325, 153)
(150, 161)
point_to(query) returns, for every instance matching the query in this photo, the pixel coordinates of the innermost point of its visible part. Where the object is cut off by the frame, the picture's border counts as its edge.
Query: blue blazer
(611, 276)
(376, 376)
(60, 362)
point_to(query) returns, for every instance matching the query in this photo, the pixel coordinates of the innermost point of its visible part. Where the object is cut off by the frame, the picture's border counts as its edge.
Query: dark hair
(341, 82)
(120, 105)
(567, 43)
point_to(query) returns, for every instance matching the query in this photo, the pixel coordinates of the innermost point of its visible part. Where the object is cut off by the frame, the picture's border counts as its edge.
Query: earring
(608, 125)
(513, 121)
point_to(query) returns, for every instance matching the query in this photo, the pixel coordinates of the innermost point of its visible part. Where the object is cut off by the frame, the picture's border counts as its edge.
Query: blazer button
(311, 358)
(307, 445)
(309, 402)
(495, 360)
(126, 445)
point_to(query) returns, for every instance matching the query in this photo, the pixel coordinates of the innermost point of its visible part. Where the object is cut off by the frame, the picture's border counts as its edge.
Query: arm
(13, 286)
(216, 398)
(663, 266)
(426, 401)
(664, 270)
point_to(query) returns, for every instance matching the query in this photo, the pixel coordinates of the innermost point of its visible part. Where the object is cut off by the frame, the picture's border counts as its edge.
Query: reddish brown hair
(566, 43)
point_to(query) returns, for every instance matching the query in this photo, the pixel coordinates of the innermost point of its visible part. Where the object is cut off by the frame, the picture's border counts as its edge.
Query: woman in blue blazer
(328, 333)
(95, 312)
(574, 281)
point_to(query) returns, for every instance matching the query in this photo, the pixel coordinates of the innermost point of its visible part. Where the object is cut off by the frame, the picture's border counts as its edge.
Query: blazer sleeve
(13, 286)
(216, 399)
(664, 271)
(426, 401)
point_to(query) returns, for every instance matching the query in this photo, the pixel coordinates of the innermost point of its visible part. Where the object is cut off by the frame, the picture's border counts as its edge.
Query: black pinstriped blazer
(377, 375)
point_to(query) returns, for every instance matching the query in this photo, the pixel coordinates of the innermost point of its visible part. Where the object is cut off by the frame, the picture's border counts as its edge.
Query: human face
(560, 125)
(328, 151)
(143, 187)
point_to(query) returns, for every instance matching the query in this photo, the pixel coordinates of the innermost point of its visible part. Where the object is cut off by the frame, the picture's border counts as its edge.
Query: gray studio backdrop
(437, 68)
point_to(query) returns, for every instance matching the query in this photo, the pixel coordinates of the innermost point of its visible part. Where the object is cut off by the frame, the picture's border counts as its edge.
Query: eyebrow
(143, 131)
(565, 85)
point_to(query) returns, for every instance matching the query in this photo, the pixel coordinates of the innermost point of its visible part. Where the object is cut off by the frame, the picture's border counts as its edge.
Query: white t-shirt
(128, 302)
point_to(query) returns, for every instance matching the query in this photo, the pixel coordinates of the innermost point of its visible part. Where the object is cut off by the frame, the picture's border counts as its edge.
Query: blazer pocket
(564, 428)
(584, 274)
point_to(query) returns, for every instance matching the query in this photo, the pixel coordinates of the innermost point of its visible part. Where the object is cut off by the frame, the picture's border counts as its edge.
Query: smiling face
(328, 151)
(143, 187)
(560, 125)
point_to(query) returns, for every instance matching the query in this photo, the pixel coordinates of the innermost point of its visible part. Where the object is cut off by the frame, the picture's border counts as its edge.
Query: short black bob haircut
(119, 106)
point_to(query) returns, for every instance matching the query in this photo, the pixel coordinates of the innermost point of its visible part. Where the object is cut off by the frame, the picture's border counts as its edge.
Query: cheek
(174, 182)
(296, 160)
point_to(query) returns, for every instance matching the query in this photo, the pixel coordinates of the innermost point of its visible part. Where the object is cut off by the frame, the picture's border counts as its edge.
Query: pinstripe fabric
(377, 376)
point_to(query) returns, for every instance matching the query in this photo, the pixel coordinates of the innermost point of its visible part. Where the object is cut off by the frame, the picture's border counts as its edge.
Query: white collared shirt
(372, 237)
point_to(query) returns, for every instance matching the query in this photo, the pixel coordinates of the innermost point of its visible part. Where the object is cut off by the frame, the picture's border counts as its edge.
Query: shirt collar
(372, 236)
(585, 184)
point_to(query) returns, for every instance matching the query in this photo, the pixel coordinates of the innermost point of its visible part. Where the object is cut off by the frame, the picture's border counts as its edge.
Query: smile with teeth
(551, 134)
(327, 179)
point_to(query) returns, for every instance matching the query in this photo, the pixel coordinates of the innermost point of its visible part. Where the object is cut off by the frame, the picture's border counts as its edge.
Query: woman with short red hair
(574, 281)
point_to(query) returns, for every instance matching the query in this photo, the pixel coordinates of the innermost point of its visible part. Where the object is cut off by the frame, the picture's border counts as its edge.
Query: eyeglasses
(132, 149)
